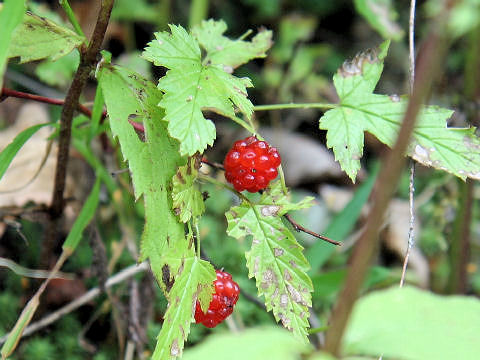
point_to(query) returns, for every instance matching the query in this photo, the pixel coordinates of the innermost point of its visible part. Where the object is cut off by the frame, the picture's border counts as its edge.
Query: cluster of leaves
(164, 172)
(164, 163)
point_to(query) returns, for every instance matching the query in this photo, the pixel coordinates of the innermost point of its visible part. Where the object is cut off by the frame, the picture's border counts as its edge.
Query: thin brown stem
(299, 228)
(22, 95)
(387, 181)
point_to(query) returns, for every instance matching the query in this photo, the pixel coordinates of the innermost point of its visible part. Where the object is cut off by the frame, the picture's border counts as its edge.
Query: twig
(299, 228)
(22, 95)
(411, 190)
(386, 183)
(85, 298)
(294, 106)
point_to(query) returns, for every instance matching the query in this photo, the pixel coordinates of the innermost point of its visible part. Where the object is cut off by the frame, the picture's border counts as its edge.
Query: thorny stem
(71, 17)
(22, 95)
(386, 183)
(299, 228)
(294, 106)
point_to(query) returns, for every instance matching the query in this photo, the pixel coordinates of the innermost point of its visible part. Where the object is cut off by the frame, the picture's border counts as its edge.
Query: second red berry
(251, 164)
(223, 301)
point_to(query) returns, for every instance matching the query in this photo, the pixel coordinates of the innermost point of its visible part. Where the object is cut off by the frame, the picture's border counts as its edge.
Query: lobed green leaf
(433, 144)
(192, 85)
(275, 259)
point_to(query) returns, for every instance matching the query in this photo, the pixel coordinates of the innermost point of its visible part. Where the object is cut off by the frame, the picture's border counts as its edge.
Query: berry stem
(294, 106)
(299, 228)
(197, 234)
(247, 126)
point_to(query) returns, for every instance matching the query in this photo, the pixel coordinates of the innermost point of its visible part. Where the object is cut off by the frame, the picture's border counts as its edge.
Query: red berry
(223, 301)
(251, 164)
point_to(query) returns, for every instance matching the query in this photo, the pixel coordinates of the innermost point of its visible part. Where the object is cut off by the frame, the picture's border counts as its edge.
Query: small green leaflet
(152, 164)
(192, 85)
(187, 199)
(37, 38)
(195, 280)
(275, 259)
(453, 150)
(227, 52)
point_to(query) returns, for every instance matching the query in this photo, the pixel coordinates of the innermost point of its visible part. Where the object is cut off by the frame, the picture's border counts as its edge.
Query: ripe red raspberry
(223, 301)
(251, 164)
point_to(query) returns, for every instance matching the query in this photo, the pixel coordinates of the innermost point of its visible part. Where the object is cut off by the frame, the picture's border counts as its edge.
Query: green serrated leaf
(152, 163)
(11, 13)
(194, 280)
(227, 52)
(433, 144)
(381, 15)
(275, 260)
(187, 199)
(191, 86)
(276, 203)
(38, 38)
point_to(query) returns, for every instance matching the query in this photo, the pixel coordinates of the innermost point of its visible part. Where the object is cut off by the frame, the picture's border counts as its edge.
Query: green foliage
(252, 344)
(275, 259)
(192, 84)
(450, 149)
(187, 199)
(381, 15)
(11, 12)
(9, 305)
(152, 164)
(195, 280)
(83, 219)
(433, 326)
(38, 38)
(39, 349)
(7, 154)
(59, 72)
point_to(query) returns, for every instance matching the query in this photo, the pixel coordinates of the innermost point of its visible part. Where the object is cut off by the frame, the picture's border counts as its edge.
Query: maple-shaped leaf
(187, 199)
(454, 150)
(275, 259)
(152, 164)
(193, 281)
(192, 85)
(227, 52)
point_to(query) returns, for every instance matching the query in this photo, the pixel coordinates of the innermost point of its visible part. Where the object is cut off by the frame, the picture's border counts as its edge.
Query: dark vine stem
(6, 92)
(88, 58)
(427, 66)
(299, 228)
